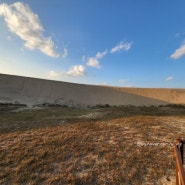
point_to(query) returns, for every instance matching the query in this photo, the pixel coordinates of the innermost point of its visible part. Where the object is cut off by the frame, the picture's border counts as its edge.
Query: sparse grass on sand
(112, 145)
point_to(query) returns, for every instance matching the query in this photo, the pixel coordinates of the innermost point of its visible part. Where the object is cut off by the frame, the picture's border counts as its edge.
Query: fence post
(180, 174)
(179, 143)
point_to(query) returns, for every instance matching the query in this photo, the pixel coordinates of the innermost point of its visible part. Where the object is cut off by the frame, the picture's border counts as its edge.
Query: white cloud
(170, 78)
(74, 71)
(121, 46)
(52, 74)
(179, 52)
(21, 21)
(94, 61)
(65, 53)
(77, 70)
(101, 55)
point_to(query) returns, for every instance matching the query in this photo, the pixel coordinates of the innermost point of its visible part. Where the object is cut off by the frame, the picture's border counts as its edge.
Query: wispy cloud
(21, 21)
(178, 35)
(170, 78)
(178, 53)
(121, 46)
(77, 70)
(53, 74)
(65, 53)
(94, 61)
(100, 55)
(83, 58)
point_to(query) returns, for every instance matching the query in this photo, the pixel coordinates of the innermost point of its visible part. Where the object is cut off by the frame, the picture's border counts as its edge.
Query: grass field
(103, 145)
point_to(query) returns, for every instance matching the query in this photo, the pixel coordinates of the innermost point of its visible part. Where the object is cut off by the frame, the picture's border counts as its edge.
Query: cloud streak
(121, 46)
(101, 55)
(21, 21)
(94, 61)
(65, 53)
(170, 78)
(178, 53)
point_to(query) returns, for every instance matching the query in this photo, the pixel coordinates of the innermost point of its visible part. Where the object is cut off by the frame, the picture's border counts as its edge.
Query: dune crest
(32, 91)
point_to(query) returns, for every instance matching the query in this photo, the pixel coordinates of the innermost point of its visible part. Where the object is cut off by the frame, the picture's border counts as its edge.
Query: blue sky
(125, 43)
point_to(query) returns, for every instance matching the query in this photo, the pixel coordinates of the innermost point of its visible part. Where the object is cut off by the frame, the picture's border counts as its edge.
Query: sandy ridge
(33, 91)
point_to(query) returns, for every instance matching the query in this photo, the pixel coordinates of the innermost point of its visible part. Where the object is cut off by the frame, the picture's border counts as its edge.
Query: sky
(126, 43)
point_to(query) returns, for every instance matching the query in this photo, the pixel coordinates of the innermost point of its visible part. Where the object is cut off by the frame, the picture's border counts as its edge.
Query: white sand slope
(33, 91)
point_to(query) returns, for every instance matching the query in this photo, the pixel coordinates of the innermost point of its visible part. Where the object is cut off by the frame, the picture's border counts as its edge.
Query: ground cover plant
(101, 145)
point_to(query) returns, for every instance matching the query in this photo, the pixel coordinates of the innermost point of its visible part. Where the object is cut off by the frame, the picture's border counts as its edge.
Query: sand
(33, 91)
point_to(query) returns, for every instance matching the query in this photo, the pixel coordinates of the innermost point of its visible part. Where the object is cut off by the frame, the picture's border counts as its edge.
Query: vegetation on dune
(110, 145)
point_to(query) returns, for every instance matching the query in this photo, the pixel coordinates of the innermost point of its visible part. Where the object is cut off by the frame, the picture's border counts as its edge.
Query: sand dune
(33, 91)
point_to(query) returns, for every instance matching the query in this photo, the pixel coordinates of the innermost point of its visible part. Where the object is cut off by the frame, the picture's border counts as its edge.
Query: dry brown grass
(59, 146)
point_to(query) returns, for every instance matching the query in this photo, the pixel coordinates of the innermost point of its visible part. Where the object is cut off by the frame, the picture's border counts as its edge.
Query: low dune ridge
(173, 96)
(33, 91)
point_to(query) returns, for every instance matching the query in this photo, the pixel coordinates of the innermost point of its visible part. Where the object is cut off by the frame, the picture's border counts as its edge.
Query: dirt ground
(101, 145)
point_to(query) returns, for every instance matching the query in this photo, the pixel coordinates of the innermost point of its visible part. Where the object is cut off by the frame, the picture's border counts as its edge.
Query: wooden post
(179, 143)
(180, 174)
